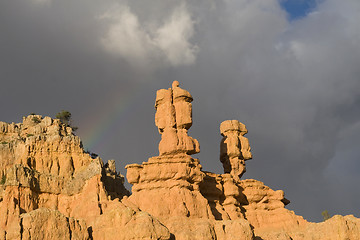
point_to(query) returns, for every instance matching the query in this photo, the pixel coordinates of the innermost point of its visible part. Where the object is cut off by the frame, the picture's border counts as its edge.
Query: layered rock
(174, 170)
(173, 180)
(51, 188)
(182, 194)
(194, 204)
(44, 223)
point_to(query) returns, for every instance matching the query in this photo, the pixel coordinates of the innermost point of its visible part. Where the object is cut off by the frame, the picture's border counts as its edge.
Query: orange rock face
(50, 188)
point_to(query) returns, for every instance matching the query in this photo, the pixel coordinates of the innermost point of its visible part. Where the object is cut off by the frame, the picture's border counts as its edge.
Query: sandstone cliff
(50, 188)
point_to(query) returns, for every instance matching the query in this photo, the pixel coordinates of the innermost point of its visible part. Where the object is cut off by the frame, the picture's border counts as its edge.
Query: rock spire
(174, 118)
(234, 147)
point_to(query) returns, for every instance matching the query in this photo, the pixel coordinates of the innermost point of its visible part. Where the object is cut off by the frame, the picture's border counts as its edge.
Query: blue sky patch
(298, 8)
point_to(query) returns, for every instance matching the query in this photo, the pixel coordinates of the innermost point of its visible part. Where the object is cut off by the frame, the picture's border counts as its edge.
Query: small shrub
(325, 215)
(29, 135)
(65, 118)
(4, 142)
(3, 180)
(36, 120)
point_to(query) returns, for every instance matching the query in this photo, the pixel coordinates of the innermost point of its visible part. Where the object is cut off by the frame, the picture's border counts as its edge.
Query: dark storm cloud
(294, 84)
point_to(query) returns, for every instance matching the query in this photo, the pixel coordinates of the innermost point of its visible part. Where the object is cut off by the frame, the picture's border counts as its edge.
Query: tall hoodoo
(234, 147)
(174, 172)
(174, 118)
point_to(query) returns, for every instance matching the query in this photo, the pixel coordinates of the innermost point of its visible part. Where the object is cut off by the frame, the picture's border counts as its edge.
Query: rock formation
(174, 118)
(234, 148)
(50, 188)
(194, 204)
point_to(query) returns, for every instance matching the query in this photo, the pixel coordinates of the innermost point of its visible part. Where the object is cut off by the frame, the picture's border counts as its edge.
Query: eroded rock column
(174, 173)
(174, 118)
(234, 148)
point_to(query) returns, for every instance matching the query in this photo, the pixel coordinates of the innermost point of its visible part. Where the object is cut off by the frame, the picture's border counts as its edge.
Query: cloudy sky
(289, 70)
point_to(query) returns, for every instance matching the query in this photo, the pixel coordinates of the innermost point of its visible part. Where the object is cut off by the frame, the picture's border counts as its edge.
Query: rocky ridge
(50, 188)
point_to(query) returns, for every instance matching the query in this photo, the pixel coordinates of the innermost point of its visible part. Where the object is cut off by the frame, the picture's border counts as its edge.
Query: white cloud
(140, 45)
(125, 35)
(173, 38)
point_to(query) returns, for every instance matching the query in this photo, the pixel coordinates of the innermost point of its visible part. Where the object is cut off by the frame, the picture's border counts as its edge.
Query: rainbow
(95, 132)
